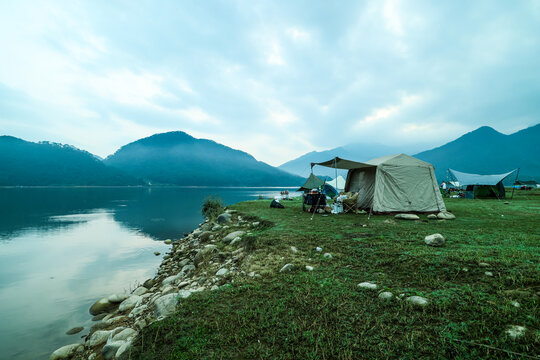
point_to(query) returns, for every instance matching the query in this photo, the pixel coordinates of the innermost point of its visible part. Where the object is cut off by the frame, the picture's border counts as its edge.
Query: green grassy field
(323, 314)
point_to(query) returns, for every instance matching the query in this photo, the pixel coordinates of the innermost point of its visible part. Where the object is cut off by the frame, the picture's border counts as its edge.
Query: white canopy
(475, 179)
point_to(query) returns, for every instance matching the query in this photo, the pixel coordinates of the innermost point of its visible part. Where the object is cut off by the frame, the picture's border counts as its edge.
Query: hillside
(43, 164)
(180, 159)
(486, 151)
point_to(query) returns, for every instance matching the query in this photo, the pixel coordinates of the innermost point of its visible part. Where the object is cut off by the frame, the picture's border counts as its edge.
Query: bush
(212, 207)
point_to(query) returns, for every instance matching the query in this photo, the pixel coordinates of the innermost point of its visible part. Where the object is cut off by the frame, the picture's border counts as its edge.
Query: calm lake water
(61, 249)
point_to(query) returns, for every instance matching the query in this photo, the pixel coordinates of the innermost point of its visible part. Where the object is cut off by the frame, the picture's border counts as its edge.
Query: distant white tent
(338, 183)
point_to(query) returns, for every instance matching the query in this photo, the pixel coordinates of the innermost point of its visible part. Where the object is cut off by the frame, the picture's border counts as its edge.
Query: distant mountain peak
(166, 139)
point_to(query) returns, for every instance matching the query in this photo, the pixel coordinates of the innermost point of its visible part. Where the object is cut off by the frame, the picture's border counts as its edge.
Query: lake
(61, 249)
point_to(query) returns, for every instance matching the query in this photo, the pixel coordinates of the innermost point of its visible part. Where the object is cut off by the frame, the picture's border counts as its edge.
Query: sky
(276, 79)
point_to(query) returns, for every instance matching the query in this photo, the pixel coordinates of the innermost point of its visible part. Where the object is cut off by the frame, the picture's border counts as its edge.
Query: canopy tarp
(525, 182)
(312, 182)
(475, 179)
(338, 183)
(340, 163)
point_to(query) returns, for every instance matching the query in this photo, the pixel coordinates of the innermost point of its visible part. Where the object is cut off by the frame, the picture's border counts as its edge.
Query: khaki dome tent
(396, 183)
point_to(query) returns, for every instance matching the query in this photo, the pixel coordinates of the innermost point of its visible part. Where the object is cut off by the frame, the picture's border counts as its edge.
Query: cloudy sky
(276, 79)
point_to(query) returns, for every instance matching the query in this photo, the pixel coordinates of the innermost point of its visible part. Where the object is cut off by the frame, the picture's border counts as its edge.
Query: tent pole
(335, 167)
(514, 186)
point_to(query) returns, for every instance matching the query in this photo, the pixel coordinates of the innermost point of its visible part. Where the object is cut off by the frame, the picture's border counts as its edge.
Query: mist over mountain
(43, 164)
(487, 151)
(180, 159)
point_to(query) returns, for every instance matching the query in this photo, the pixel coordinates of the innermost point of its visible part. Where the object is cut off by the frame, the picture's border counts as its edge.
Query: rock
(327, 256)
(483, 264)
(407, 217)
(124, 351)
(204, 253)
(214, 287)
(233, 235)
(294, 249)
(140, 324)
(516, 331)
(386, 295)
(66, 352)
(205, 235)
(117, 298)
(255, 223)
(138, 310)
(224, 218)
(165, 305)
(129, 303)
(432, 216)
(309, 268)
(222, 271)
(236, 240)
(157, 253)
(216, 227)
(318, 249)
(168, 289)
(417, 300)
(98, 338)
(141, 290)
(488, 273)
(75, 330)
(124, 334)
(184, 294)
(434, 240)
(168, 242)
(506, 202)
(445, 215)
(109, 350)
(188, 268)
(92, 356)
(389, 221)
(102, 306)
(99, 317)
(515, 303)
(171, 279)
(148, 284)
(368, 285)
(287, 268)
(183, 284)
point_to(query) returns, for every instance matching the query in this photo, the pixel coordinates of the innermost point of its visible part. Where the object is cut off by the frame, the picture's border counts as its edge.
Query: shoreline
(185, 269)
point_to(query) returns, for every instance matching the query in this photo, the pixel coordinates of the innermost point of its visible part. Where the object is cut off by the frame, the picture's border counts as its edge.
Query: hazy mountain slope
(180, 159)
(40, 164)
(486, 151)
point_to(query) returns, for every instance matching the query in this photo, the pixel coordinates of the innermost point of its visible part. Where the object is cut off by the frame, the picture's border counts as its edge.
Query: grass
(324, 315)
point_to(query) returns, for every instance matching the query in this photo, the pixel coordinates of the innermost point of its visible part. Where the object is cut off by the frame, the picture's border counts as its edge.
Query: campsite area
(483, 282)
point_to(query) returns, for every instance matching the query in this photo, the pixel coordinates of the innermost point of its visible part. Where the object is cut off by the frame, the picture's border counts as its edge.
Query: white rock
(446, 215)
(516, 331)
(129, 303)
(138, 310)
(141, 290)
(171, 279)
(515, 303)
(368, 285)
(294, 249)
(236, 240)
(434, 240)
(255, 223)
(117, 298)
(488, 273)
(98, 337)
(66, 352)
(140, 324)
(417, 300)
(165, 305)
(309, 268)
(125, 334)
(184, 294)
(188, 268)
(407, 217)
(233, 235)
(183, 284)
(222, 271)
(124, 351)
(112, 320)
(386, 295)
(432, 216)
(319, 249)
(287, 268)
(327, 255)
(168, 242)
(214, 287)
(109, 350)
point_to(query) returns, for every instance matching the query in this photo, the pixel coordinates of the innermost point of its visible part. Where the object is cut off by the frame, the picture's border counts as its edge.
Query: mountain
(41, 164)
(487, 151)
(180, 159)
(358, 152)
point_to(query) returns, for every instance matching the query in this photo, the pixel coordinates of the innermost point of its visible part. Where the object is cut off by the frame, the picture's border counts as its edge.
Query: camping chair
(351, 204)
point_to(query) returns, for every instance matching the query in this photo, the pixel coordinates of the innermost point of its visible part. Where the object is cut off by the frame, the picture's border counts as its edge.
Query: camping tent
(482, 186)
(395, 183)
(338, 183)
(314, 182)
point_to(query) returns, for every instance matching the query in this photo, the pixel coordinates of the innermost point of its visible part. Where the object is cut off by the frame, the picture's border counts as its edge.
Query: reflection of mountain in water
(162, 212)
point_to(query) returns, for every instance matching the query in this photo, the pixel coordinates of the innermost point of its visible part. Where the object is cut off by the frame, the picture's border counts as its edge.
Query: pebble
(287, 268)
(516, 331)
(294, 249)
(432, 216)
(386, 295)
(367, 285)
(319, 249)
(488, 273)
(184, 294)
(445, 215)
(407, 217)
(222, 271)
(417, 300)
(327, 255)
(309, 268)
(515, 303)
(75, 330)
(434, 240)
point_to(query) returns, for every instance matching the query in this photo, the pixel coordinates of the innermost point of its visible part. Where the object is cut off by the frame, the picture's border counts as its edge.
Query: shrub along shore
(275, 284)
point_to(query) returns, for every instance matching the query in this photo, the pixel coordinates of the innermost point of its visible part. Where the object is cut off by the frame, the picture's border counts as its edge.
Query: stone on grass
(386, 295)
(515, 303)
(230, 237)
(102, 306)
(407, 217)
(488, 273)
(165, 305)
(309, 268)
(516, 331)
(224, 218)
(109, 350)
(432, 216)
(319, 249)
(129, 303)
(417, 300)
(287, 268)
(222, 272)
(327, 256)
(75, 330)
(483, 264)
(184, 294)
(294, 249)
(98, 338)
(66, 352)
(445, 215)
(367, 285)
(236, 240)
(434, 240)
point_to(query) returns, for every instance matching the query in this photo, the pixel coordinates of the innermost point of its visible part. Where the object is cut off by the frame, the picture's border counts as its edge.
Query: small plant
(212, 206)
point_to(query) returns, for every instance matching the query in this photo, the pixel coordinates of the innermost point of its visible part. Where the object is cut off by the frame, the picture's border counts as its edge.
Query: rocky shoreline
(211, 256)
